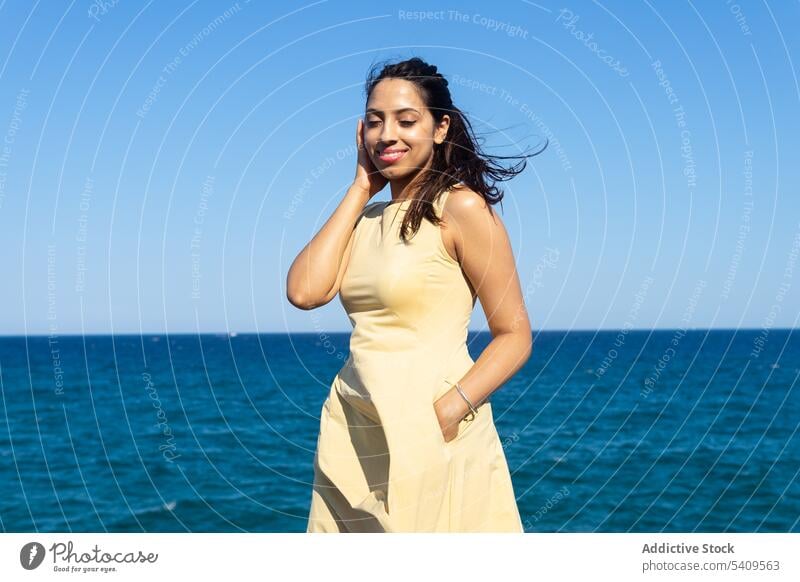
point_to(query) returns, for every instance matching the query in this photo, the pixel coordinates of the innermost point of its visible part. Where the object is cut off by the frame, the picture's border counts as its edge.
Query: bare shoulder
(463, 201)
(467, 216)
(467, 211)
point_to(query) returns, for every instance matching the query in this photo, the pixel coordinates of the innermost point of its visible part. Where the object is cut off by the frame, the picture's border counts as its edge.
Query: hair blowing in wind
(459, 158)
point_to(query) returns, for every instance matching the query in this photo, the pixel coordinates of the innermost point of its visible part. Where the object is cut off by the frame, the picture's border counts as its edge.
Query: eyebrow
(401, 110)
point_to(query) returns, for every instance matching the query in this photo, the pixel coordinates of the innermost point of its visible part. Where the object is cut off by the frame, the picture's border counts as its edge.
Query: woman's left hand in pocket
(449, 414)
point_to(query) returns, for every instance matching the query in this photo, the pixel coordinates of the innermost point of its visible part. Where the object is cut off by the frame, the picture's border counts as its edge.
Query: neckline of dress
(400, 206)
(406, 200)
(398, 202)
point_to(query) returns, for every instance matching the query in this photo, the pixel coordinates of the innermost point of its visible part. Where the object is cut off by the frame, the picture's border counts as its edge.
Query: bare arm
(316, 273)
(485, 255)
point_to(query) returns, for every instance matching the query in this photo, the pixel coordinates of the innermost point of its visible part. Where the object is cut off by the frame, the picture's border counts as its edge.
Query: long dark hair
(458, 159)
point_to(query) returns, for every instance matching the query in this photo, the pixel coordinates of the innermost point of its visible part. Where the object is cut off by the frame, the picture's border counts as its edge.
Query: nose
(388, 132)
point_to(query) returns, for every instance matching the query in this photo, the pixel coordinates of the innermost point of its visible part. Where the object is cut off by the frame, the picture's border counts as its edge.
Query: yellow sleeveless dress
(381, 461)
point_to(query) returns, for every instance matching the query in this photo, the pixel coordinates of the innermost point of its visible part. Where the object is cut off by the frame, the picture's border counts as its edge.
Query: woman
(407, 440)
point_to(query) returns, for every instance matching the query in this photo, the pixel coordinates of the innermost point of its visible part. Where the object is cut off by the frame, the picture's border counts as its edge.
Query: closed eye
(373, 123)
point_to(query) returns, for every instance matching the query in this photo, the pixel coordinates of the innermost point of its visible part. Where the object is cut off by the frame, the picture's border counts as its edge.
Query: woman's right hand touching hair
(368, 178)
(316, 274)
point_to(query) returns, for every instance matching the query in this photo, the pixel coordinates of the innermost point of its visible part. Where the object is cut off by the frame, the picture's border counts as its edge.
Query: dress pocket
(464, 426)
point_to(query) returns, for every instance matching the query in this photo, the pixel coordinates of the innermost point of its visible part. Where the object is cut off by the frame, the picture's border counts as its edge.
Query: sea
(628, 430)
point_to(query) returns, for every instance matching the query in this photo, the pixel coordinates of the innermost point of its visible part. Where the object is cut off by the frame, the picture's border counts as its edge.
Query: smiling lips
(391, 156)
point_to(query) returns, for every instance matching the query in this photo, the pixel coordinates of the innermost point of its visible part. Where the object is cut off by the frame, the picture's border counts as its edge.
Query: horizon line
(238, 333)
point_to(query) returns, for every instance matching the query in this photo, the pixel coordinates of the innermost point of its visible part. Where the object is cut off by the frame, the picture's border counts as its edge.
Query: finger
(358, 134)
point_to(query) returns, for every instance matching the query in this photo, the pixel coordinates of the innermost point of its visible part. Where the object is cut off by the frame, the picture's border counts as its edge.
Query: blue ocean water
(613, 431)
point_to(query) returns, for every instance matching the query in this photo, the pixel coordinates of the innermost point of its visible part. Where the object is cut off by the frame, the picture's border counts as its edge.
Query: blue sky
(162, 164)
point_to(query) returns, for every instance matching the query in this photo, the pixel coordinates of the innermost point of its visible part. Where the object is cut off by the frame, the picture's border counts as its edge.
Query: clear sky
(162, 163)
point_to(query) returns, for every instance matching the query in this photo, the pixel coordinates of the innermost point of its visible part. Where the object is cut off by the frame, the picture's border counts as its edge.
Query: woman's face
(397, 119)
